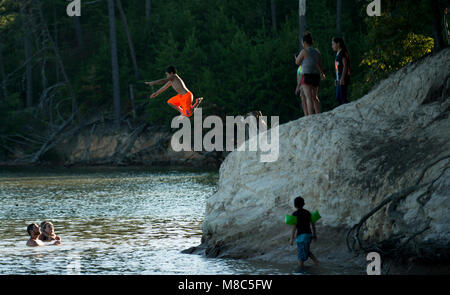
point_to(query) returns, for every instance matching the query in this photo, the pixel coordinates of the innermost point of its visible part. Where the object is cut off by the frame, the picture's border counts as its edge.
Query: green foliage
(397, 38)
(225, 51)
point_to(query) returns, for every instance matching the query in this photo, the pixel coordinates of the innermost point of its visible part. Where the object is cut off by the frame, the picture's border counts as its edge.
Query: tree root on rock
(353, 240)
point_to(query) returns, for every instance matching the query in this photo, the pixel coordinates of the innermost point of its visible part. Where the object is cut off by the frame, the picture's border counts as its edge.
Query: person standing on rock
(312, 72)
(299, 90)
(304, 233)
(342, 66)
(447, 30)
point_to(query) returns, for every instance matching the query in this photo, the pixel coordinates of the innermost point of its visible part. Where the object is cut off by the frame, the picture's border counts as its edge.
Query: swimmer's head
(47, 228)
(171, 71)
(299, 202)
(33, 229)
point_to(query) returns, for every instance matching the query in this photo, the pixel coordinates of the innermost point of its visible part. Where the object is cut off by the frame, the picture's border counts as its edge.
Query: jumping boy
(304, 235)
(181, 102)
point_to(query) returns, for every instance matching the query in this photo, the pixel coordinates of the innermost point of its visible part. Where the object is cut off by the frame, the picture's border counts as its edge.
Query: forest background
(57, 70)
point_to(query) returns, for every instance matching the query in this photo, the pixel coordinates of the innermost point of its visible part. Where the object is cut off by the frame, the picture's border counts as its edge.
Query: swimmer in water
(48, 232)
(34, 231)
(181, 102)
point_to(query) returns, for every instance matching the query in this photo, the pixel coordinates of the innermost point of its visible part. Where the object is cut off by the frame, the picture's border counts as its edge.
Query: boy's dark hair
(299, 202)
(30, 228)
(171, 70)
(307, 38)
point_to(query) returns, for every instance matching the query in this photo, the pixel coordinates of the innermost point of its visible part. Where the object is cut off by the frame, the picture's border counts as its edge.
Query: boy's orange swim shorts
(184, 101)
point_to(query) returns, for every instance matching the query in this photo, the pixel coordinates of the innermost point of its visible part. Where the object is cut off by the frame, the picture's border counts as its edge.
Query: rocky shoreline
(105, 146)
(388, 151)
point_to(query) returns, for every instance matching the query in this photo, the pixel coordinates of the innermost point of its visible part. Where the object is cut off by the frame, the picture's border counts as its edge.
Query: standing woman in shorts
(312, 72)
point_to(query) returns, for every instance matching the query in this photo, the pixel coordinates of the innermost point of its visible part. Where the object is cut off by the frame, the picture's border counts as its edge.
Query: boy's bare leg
(197, 102)
(313, 258)
(175, 107)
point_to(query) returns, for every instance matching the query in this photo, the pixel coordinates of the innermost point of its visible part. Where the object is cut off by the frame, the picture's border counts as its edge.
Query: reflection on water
(119, 221)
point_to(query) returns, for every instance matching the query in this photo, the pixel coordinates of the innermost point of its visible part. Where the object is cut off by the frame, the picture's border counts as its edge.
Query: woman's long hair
(340, 41)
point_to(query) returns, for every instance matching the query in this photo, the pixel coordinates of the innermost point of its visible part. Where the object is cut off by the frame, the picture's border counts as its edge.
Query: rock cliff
(344, 163)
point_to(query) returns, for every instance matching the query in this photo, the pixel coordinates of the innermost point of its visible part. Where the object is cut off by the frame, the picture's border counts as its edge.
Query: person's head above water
(307, 40)
(33, 230)
(47, 228)
(171, 70)
(299, 202)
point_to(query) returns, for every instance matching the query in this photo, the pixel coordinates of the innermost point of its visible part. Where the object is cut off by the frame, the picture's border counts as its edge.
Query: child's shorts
(303, 242)
(184, 101)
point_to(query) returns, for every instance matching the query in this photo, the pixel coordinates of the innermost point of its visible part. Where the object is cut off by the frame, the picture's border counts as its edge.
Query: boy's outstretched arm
(161, 90)
(157, 82)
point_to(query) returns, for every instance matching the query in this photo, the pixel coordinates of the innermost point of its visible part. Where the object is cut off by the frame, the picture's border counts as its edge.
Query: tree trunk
(301, 21)
(130, 41)
(148, 8)
(55, 31)
(339, 18)
(437, 11)
(274, 14)
(77, 24)
(58, 59)
(133, 107)
(3, 76)
(43, 74)
(114, 62)
(27, 47)
(447, 29)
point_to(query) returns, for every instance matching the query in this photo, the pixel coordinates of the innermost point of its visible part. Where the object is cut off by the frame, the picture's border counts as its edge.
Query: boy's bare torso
(178, 84)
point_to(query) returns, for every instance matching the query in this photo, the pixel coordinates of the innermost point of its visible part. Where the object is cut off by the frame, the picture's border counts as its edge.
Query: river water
(111, 221)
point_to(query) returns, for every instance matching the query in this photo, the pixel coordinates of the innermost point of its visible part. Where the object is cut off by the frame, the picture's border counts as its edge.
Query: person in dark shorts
(312, 72)
(304, 233)
(342, 66)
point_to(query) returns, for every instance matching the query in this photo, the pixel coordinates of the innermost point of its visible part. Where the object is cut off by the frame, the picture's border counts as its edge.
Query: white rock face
(344, 163)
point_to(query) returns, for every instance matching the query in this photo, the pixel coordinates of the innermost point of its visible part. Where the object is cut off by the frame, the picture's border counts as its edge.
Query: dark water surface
(111, 221)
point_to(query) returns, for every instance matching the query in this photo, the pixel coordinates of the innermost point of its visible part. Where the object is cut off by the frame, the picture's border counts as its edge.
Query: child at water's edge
(304, 234)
